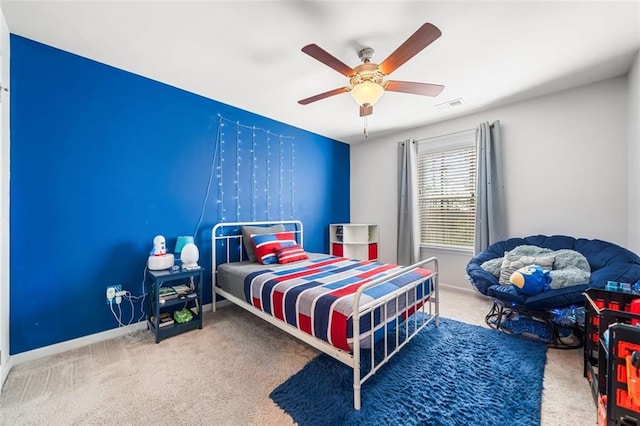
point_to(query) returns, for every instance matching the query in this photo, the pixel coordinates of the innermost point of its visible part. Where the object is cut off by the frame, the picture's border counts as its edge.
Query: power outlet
(111, 292)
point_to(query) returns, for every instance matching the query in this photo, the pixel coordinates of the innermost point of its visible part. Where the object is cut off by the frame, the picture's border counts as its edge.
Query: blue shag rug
(457, 374)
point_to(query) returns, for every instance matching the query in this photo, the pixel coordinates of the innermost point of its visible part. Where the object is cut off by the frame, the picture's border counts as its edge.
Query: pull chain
(366, 135)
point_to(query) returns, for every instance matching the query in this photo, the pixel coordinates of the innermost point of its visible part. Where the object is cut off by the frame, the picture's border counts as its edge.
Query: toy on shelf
(623, 287)
(602, 410)
(633, 377)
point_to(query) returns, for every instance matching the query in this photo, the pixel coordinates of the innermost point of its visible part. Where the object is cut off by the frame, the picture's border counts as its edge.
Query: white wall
(565, 169)
(634, 156)
(5, 361)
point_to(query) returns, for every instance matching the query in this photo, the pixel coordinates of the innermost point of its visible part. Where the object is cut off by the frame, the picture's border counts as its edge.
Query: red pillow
(266, 245)
(291, 254)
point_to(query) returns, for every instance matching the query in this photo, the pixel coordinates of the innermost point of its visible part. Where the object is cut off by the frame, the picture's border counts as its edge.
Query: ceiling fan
(366, 81)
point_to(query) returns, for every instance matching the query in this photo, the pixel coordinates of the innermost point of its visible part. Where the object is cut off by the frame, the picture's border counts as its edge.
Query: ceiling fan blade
(328, 59)
(366, 110)
(425, 35)
(323, 95)
(424, 89)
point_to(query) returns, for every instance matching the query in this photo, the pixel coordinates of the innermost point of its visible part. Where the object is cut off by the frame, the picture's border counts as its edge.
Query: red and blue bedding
(316, 296)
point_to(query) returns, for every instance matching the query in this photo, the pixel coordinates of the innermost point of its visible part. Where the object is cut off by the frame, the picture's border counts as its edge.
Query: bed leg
(436, 291)
(437, 302)
(356, 352)
(356, 369)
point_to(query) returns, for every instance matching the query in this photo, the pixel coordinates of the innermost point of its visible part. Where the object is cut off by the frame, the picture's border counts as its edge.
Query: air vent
(449, 104)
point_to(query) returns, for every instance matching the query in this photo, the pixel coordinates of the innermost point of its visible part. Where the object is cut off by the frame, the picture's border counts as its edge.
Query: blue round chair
(608, 262)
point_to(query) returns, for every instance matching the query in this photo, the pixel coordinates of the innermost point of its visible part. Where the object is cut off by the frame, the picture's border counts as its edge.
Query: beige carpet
(220, 375)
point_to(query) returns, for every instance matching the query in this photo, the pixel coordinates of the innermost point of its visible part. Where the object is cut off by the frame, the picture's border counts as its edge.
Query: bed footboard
(421, 307)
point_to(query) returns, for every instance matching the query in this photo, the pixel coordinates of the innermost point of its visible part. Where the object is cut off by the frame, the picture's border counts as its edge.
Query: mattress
(231, 276)
(316, 295)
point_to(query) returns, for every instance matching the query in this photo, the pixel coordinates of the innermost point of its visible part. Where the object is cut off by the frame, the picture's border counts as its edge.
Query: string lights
(268, 193)
(293, 179)
(280, 181)
(254, 182)
(221, 173)
(241, 181)
(237, 180)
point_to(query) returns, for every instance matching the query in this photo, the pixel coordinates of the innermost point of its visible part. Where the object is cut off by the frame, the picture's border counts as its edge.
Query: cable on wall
(211, 174)
(135, 334)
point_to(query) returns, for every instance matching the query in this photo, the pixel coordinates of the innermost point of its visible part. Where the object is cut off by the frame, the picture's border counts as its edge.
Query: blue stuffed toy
(531, 280)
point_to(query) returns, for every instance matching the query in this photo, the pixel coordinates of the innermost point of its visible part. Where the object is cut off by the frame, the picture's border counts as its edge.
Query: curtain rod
(447, 134)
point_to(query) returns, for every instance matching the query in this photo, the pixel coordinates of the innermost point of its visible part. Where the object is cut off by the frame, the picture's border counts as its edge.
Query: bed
(314, 296)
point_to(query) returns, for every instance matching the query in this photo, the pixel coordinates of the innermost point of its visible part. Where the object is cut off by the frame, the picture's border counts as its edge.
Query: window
(447, 190)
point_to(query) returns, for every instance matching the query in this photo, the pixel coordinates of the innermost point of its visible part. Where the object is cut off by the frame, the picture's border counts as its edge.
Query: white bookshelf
(354, 240)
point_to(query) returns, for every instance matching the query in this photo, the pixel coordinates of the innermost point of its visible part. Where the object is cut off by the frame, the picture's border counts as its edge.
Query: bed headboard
(226, 239)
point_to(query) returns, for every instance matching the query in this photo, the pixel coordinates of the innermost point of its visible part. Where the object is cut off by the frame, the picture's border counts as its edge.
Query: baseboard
(219, 304)
(4, 372)
(457, 288)
(82, 341)
(76, 343)
(467, 289)
(102, 336)
(68, 345)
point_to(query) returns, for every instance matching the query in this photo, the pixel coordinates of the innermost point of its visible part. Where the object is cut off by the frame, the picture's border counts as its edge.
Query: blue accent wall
(102, 160)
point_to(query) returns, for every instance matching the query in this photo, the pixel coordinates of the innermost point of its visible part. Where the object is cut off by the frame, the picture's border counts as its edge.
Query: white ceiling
(247, 54)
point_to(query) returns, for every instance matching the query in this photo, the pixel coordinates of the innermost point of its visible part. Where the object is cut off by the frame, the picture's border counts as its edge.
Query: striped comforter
(316, 296)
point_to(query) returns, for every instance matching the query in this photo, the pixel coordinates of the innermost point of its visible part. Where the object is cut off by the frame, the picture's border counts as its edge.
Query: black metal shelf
(608, 311)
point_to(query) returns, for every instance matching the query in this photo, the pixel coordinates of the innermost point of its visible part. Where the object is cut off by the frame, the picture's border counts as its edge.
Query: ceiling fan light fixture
(367, 93)
(367, 81)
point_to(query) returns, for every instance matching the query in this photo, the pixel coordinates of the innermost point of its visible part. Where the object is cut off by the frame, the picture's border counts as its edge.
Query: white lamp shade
(189, 256)
(367, 93)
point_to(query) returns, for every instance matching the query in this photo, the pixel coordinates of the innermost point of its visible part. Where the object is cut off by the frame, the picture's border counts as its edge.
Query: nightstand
(163, 303)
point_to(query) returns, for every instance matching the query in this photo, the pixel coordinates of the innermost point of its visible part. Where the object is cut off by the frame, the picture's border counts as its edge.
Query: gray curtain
(408, 215)
(491, 225)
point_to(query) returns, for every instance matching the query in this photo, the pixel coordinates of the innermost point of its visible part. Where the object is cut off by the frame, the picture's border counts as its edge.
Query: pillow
(290, 254)
(562, 278)
(512, 262)
(248, 230)
(493, 266)
(571, 268)
(266, 245)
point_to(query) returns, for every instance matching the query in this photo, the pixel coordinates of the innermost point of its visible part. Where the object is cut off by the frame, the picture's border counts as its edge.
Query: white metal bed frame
(429, 307)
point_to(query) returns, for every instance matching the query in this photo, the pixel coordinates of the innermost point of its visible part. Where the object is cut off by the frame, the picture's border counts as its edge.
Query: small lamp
(189, 256)
(182, 241)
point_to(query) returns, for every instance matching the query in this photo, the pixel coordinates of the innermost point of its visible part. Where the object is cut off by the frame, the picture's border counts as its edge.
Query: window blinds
(447, 180)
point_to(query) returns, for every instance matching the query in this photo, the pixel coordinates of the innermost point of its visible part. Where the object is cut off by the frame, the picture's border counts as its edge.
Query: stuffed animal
(531, 280)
